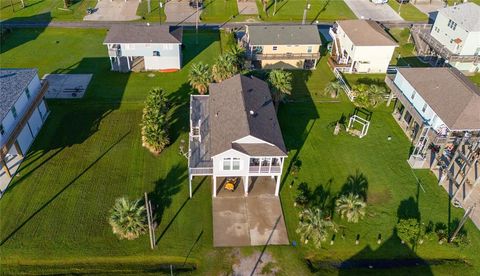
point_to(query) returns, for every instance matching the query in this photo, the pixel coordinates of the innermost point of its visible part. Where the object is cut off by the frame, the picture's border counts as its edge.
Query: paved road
(367, 10)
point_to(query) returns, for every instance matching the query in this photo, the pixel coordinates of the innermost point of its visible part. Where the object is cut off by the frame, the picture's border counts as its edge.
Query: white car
(379, 1)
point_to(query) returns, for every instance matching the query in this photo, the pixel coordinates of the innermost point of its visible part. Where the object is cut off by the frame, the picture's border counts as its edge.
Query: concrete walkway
(365, 9)
(115, 10)
(247, 7)
(181, 12)
(426, 7)
(248, 221)
(67, 86)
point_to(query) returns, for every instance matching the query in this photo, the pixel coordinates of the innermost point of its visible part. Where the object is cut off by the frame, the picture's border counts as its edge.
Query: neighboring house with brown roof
(361, 46)
(234, 132)
(282, 46)
(440, 98)
(144, 47)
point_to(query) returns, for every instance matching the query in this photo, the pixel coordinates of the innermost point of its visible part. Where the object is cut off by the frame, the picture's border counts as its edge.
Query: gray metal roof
(12, 84)
(283, 35)
(453, 97)
(239, 107)
(129, 33)
(466, 15)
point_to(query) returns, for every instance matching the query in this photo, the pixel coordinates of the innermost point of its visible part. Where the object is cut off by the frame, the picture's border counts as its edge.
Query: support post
(111, 63)
(190, 177)
(128, 64)
(18, 149)
(214, 186)
(277, 186)
(390, 97)
(5, 168)
(245, 184)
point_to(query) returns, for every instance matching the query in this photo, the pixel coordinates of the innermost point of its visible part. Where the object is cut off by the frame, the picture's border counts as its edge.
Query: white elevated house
(144, 47)
(22, 114)
(439, 110)
(454, 38)
(360, 46)
(234, 133)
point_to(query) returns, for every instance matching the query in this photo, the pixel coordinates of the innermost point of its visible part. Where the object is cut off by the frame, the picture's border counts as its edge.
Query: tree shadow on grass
(191, 49)
(68, 185)
(179, 114)
(18, 37)
(357, 184)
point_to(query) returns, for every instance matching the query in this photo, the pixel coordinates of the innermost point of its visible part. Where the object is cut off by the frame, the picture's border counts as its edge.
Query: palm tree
(239, 54)
(351, 207)
(155, 122)
(281, 85)
(128, 219)
(200, 76)
(333, 89)
(225, 67)
(369, 95)
(313, 226)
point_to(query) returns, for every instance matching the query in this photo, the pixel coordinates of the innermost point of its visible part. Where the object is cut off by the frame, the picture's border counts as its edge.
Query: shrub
(410, 231)
(154, 122)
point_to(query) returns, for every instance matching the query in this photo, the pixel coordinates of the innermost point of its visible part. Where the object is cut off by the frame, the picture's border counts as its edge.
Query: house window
(413, 94)
(452, 24)
(27, 93)
(231, 164)
(14, 112)
(424, 107)
(351, 49)
(309, 49)
(147, 45)
(156, 53)
(2, 130)
(274, 48)
(227, 164)
(129, 46)
(236, 164)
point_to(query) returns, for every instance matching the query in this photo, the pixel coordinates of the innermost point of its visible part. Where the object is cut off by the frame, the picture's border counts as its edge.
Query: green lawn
(156, 14)
(408, 11)
(451, 2)
(476, 79)
(89, 153)
(292, 10)
(44, 10)
(404, 54)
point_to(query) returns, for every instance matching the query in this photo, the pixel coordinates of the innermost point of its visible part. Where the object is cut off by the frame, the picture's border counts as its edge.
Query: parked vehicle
(403, 1)
(379, 1)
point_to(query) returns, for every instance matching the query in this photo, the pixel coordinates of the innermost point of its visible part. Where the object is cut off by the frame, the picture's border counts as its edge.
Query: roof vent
(216, 114)
(148, 24)
(250, 90)
(252, 112)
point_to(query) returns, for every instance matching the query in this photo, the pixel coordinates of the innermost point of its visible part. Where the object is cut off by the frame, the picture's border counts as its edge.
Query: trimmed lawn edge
(90, 265)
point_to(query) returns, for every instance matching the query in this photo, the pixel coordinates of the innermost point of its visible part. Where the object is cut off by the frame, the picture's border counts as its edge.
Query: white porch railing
(348, 91)
(265, 169)
(201, 171)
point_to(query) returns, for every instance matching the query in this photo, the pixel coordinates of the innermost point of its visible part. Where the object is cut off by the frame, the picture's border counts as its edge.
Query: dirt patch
(254, 264)
(379, 197)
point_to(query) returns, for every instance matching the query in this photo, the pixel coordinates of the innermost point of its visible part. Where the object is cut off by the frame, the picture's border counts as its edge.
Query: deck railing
(265, 169)
(254, 56)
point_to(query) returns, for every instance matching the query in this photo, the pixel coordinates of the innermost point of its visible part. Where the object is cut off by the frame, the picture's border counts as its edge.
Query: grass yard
(44, 10)
(156, 14)
(408, 11)
(476, 79)
(404, 55)
(89, 153)
(452, 2)
(292, 10)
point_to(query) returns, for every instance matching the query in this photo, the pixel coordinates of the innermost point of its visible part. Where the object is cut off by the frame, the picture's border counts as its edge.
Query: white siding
(373, 59)
(161, 63)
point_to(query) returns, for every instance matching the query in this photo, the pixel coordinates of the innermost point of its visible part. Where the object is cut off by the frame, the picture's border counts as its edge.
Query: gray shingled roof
(284, 35)
(466, 15)
(366, 33)
(453, 97)
(12, 84)
(128, 33)
(230, 103)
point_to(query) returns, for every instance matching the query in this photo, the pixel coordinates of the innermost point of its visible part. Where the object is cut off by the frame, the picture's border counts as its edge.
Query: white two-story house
(22, 114)
(360, 46)
(144, 47)
(234, 133)
(282, 46)
(454, 37)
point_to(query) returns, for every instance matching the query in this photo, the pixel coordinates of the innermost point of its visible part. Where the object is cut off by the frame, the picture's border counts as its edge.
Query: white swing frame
(356, 119)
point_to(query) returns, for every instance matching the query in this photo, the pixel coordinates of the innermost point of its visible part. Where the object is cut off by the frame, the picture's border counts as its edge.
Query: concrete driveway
(116, 10)
(248, 221)
(365, 9)
(427, 6)
(179, 11)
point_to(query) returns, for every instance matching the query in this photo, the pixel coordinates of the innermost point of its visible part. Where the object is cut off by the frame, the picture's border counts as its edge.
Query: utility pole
(196, 25)
(400, 6)
(149, 8)
(161, 6)
(307, 7)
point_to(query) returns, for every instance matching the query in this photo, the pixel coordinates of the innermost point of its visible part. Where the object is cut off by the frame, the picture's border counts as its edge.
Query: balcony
(115, 51)
(265, 169)
(285, 56)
